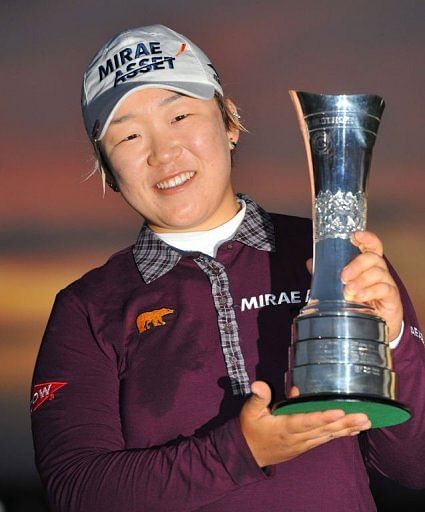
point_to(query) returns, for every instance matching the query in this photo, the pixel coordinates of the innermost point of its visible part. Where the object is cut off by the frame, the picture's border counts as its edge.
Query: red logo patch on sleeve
(43, 392)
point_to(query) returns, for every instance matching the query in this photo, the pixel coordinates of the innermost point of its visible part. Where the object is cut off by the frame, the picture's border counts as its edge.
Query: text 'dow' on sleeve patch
(43, 392)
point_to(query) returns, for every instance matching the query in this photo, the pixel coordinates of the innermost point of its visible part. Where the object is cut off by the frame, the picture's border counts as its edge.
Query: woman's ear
(233, 130)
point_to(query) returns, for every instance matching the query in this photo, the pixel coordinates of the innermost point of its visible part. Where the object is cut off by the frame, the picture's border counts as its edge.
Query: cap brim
(107, 103)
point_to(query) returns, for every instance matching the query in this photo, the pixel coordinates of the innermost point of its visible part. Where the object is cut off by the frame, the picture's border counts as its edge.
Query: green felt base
(381, 412)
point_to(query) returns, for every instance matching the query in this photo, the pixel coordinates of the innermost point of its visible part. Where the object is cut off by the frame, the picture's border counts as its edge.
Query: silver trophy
(339, 355)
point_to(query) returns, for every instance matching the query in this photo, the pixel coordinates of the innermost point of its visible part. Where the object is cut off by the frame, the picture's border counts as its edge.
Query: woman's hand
(368, 280)
(275, 439)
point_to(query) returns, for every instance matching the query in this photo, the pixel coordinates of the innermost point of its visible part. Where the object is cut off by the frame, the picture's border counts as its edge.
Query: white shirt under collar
(208, 241)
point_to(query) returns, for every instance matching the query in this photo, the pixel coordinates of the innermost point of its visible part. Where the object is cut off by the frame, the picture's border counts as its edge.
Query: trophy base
(380, 411)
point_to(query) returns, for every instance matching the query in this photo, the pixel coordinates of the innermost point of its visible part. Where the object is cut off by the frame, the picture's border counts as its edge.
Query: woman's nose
(163, 150)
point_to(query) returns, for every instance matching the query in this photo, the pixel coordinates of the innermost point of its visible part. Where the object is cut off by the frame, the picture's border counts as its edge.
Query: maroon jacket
(132, 407)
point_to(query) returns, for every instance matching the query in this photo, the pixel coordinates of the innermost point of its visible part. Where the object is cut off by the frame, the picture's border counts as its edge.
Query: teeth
(176, 181)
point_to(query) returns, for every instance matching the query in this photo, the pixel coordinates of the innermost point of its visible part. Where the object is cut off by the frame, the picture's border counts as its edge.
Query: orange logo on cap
(182, 49)
(152, 319)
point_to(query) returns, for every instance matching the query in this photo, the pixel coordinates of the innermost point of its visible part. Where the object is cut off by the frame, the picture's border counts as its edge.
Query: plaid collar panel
(154, 258)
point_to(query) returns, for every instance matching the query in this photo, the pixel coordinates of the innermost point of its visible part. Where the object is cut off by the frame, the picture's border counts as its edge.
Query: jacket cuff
(236, 455)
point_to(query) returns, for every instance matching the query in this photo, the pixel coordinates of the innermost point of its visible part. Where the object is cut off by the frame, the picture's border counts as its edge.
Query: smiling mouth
(175, 181)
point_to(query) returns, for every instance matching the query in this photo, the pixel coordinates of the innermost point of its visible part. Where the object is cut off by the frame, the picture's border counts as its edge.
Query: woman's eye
(131, 137)
(181, 117)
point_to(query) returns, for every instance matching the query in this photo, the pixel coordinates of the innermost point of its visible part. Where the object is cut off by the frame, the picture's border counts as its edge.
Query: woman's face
(170, 155)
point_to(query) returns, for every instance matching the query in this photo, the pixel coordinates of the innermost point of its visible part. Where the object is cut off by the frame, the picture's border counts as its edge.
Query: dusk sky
(56, 226)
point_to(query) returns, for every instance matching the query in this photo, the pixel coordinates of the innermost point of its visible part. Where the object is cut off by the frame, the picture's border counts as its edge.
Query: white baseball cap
(138, 58)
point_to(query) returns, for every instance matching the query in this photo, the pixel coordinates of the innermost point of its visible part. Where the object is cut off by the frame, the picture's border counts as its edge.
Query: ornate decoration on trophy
(339, 355)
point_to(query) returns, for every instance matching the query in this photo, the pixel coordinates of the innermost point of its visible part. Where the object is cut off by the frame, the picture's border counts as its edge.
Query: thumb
(260, 398)
(293, 392)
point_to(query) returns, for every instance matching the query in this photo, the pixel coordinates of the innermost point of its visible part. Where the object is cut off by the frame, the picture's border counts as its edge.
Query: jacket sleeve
(79, 447)
(398, 452)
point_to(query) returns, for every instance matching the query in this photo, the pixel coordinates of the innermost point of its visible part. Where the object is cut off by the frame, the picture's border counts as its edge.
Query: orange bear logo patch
(153, 318)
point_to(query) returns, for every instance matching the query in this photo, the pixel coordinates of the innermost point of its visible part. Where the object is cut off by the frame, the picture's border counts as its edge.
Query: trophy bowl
(339, 356)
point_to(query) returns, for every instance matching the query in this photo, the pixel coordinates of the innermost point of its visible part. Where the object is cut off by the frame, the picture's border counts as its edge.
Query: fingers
(317, 431)
(372, 255)
(368, 280)
(371, 284)
(362, 263)
(322, 424)
(305, 423)
(367, 277)
(261, 392)
(335, 430)
(293, 392)
(352, 426)
(309, 265)
(258, 403)
(385, 293)
(367, 241)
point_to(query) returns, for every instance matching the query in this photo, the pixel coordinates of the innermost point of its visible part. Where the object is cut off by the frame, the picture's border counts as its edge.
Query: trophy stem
(339, 355)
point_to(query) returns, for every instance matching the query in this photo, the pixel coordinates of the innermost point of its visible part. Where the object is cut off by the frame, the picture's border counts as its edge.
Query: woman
(149, 389)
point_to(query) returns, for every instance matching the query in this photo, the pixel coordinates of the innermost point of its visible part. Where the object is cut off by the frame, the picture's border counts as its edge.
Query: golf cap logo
(139, 58)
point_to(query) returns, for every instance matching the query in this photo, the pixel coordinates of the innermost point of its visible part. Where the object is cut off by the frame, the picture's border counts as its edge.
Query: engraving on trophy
(338, 215)
(322, 120)
(341, 120)
(322, 143)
